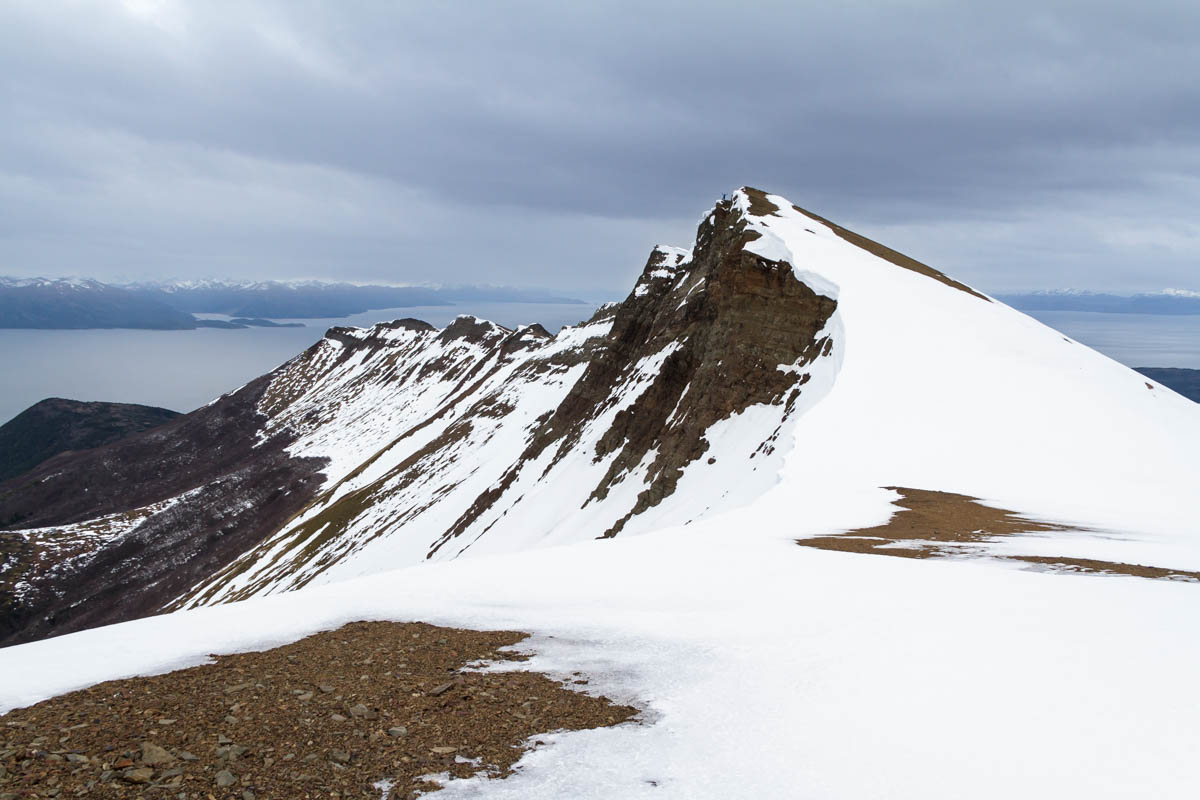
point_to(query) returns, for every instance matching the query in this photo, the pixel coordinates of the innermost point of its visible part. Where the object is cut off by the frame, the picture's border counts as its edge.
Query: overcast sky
(1016, 145)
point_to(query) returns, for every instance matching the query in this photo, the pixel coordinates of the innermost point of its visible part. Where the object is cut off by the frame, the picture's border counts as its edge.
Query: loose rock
(139, 775)
(153, 754)
(360, 711)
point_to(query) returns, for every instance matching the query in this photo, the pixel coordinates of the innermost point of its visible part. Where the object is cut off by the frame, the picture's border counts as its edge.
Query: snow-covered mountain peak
(780, 372)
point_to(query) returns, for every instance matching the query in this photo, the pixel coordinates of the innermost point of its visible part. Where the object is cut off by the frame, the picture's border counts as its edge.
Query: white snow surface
(938, 389)
(766, 669)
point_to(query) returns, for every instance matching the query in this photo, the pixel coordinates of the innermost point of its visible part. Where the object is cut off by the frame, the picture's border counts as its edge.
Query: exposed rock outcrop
(727, 319)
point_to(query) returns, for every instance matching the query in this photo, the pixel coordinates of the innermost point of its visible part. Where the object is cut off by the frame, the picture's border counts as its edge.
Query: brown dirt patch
(935, 524)
(856, 544)
(327, 716)
(1090, 565)
(930, 519)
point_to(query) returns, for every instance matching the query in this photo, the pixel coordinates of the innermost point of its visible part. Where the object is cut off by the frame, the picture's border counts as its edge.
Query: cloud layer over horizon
(1016, 146)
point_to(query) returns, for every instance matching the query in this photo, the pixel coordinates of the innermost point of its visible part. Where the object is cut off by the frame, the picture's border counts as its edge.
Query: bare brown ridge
(327, 716)
(761, 206)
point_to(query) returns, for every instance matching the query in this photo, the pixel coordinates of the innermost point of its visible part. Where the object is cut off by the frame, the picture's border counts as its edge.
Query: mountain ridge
(778, 369)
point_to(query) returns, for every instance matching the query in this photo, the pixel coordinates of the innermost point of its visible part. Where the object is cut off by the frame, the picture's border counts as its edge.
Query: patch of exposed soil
(858, 544)
(327, 716)
(929, 521)
(1093, 566)
(935, 524)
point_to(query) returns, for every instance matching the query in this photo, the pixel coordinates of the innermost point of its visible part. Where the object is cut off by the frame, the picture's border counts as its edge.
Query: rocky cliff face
(397, 444)
(718, 322)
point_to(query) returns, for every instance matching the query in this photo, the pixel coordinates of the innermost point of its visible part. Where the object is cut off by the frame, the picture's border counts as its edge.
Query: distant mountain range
(73, 303)
(1168, 301)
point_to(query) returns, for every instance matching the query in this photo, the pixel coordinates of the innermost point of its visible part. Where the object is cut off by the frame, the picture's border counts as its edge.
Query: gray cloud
(1016, 145)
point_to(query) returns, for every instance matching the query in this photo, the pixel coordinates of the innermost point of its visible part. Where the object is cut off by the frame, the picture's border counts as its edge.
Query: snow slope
(940, 390)
(769, 670)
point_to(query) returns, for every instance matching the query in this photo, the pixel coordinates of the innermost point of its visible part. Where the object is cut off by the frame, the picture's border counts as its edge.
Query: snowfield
(765, 669)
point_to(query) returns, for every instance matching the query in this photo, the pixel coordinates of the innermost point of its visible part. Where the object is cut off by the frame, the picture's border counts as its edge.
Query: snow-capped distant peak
(72, 282)
(183, 285)
(1068, 292)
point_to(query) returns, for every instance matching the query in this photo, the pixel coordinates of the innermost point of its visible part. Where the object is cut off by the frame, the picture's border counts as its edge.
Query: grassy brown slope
(327, 716)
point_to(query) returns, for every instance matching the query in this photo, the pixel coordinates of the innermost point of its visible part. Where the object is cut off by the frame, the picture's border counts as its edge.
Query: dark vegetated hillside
(55, 425)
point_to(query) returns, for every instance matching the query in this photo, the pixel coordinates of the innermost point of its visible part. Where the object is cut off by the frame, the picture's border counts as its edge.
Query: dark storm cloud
(1017, 145)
